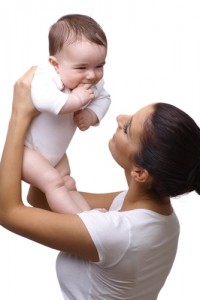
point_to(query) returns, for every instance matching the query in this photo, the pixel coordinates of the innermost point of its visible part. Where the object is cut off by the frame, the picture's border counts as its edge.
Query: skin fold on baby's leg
(63, 168)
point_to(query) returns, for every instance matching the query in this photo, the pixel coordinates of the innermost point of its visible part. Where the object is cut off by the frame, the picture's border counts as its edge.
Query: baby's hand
(85, 118)
(80, 96)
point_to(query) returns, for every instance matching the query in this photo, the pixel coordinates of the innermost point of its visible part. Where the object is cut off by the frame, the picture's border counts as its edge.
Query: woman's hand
(22, 103)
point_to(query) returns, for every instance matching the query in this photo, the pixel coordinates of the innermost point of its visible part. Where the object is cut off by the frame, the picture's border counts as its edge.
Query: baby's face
(81, 62)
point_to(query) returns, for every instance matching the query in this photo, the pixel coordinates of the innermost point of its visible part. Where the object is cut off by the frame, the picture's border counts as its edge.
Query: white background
(154, 55)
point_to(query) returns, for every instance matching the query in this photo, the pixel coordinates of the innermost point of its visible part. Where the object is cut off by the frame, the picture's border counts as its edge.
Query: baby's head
(73, 27)
(78, 49)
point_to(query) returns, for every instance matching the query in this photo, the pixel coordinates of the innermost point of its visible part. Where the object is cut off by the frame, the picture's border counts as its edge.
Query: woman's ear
(140, 175)
(53, 61)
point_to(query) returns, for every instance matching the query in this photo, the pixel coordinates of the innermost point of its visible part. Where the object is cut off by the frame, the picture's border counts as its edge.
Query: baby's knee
(70, 183)
(53, 180)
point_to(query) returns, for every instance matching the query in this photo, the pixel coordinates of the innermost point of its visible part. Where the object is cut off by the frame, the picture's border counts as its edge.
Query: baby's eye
(80, 68)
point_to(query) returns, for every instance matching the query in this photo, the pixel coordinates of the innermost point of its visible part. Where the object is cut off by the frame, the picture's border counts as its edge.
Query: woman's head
(70, 28)
(167, 145)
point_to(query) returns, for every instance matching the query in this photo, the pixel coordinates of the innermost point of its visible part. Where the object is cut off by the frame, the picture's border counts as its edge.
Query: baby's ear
(140, 175)
(53, 61)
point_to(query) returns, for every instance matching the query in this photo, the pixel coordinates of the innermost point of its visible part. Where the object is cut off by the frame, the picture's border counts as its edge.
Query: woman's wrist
(19, 123)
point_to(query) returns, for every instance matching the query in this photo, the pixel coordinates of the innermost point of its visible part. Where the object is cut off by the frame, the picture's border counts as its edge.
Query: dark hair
(170, 151)
(72, 27)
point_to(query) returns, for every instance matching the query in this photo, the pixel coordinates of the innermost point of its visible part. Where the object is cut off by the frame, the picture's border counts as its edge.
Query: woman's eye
(125, 128)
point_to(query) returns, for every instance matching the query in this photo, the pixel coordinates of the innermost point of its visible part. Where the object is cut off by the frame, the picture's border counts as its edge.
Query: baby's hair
(72, 27)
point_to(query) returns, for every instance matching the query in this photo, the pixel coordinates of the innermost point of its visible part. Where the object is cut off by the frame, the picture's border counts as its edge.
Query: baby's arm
(78, 98)
(85, 118)
(95, 110)
(49, 94)
(102, 101)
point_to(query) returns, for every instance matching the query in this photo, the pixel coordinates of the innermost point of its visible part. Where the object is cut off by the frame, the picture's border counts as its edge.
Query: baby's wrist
(93, 116)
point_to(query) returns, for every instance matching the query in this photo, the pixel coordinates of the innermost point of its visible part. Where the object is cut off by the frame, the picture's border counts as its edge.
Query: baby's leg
(39, 172)
(64, 169)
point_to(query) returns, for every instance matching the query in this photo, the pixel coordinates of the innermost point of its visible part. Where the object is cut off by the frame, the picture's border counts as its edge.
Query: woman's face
(126, 140)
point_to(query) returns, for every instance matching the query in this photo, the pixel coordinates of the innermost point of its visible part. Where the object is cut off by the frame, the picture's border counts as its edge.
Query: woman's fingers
(22, 101)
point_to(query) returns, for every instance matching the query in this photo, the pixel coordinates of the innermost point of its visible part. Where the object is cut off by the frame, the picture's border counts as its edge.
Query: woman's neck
(137, 198)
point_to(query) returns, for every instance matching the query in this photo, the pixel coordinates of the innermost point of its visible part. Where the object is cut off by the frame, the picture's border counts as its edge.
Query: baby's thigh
(36, 168)
(63, 166)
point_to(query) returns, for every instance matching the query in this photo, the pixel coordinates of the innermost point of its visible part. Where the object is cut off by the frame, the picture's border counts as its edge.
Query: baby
(69, 93)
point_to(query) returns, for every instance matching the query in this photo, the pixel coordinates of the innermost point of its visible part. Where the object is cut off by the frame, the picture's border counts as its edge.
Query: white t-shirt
(50, 133)
(136, 251)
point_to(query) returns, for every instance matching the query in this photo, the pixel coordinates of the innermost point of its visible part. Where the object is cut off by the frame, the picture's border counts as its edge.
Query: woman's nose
(120, 121)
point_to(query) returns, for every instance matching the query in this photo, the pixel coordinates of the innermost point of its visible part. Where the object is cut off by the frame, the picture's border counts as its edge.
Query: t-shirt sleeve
(110, 234)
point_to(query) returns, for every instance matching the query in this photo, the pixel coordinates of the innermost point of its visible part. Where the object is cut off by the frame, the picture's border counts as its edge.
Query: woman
(128, 251)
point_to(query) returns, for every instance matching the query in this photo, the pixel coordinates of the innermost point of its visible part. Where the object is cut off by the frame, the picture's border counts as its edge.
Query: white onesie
(50, 133)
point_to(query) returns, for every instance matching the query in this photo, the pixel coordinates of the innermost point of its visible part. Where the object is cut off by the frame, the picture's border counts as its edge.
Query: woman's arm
(37, 198)
(63, 232)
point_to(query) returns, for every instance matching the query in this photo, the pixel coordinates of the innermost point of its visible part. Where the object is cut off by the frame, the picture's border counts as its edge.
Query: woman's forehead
(142, 114)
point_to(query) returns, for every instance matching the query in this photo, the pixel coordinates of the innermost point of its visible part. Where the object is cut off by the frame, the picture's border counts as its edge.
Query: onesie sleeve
(110, 234)
(47, 90)
(102, 101)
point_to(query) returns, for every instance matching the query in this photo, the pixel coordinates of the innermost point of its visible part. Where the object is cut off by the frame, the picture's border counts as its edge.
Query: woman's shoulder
(118, 201)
